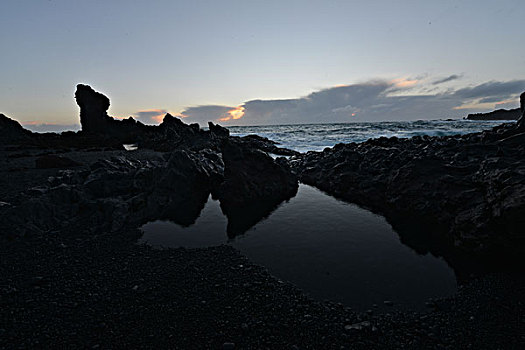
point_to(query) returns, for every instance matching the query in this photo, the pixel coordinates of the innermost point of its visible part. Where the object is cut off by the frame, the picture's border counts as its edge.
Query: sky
(261, 62)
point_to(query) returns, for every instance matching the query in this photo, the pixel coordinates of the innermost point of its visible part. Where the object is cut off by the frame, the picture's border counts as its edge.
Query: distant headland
(499, 114)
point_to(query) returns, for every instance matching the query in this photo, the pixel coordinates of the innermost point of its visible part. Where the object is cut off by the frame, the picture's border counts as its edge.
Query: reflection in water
(241, 219)
(330, 249)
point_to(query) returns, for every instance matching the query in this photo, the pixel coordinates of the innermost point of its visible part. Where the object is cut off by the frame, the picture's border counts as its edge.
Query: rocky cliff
(499, 114)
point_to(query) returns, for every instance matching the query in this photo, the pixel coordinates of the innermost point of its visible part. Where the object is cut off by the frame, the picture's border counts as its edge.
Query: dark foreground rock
(254, 184)
(123, 190)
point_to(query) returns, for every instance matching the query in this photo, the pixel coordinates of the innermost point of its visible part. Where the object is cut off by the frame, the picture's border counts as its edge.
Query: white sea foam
(315, 137)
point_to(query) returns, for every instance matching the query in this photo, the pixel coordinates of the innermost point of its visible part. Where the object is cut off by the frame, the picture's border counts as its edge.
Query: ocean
(316, 137)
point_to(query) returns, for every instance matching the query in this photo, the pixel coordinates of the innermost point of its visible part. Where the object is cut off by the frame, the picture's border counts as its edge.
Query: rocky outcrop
(99, 130)
(254, 184)
(12, 132)
(499, 114)
(454, 196)
(95, 120)
(266, 145)
(171, 134)
(123, 192)
(93, 109)
(117, 193)
(218, 130)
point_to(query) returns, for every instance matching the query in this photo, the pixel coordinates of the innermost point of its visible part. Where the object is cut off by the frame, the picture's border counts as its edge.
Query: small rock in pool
(388, 303)
(228, 346)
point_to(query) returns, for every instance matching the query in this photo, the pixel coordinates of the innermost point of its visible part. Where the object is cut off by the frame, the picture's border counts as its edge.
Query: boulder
(218, 130)
(254, 185)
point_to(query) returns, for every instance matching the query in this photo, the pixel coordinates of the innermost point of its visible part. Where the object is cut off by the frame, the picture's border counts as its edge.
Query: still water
(328, 248)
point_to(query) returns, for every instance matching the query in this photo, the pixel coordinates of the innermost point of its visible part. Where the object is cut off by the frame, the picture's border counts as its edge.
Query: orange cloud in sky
(39, 122)
(233, 114)
(404, 82)
(149, 116)
(158, 118)
(505, 102)
(237, 113)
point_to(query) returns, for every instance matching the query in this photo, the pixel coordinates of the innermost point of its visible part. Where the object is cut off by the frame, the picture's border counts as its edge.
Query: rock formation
(93, 109)
(254, 184)
(499, 114)
(11, 131)
(171, 134)
(123, 192)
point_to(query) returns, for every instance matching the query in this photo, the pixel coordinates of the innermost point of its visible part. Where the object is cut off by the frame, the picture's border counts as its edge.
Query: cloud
(215, 113)
(39, 126)
(494, 89)
(404, 83)
(447, 79)
(375, 100)
(490, 100)
(150, 116)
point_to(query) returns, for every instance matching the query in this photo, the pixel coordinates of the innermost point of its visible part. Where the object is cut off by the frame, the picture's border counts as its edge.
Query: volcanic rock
(218, 130)
(254, 184)
(499, 114)
(12, 132)
(266, 145)
(93, 109)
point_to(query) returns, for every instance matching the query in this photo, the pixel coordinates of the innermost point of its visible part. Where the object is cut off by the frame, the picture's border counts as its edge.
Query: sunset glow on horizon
(233, 114)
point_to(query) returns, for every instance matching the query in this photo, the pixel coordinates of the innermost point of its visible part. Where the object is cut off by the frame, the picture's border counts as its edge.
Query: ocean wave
(316, 137)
